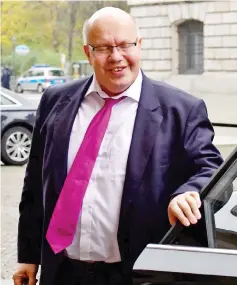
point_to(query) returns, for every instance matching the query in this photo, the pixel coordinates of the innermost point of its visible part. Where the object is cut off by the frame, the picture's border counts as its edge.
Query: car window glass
(6, 101)
(55, 73)
(218, 226)
(221, 205)
(30, 73)
(38, 73)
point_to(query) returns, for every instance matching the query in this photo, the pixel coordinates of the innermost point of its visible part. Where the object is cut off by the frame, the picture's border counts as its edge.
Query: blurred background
(51, 30)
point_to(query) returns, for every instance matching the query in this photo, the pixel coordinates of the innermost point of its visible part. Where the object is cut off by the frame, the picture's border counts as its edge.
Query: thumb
(32, 278)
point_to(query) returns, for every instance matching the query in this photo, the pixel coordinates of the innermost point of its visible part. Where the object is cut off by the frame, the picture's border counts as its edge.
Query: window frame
(15, 102)
(190, 29)
(169, 263)
(176, 229)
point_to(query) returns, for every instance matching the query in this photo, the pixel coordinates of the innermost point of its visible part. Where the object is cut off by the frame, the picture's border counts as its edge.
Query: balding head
(108, 15)
(112, 46)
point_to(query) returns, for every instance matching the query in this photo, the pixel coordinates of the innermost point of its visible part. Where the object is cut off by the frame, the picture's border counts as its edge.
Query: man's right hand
(25, 274)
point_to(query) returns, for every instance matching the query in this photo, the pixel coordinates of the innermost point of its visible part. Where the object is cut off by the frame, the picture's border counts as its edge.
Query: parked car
(184, 258)
(17, 119)
(38, 78)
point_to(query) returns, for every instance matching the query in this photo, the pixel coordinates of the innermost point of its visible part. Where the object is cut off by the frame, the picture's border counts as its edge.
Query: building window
(190, 47)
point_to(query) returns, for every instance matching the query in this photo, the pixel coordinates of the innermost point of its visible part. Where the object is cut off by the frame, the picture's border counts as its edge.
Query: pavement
(33, 96)
(11, 187)
(6, 282)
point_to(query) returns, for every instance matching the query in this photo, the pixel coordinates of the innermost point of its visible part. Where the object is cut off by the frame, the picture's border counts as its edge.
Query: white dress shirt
(96, 234)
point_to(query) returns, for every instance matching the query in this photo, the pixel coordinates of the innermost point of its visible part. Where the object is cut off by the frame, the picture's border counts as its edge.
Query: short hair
(85, 29)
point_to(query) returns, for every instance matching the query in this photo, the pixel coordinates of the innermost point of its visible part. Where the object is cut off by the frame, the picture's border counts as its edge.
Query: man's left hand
(185, 208)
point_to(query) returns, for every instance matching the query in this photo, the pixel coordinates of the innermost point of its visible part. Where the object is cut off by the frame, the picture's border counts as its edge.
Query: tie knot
(109, 102)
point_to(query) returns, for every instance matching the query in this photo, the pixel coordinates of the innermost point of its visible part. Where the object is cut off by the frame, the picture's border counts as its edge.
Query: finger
(187, 212)
(32, 280)
(172, 218)
(178, 213)
(194, 206)
(196, 196)
(19, 279)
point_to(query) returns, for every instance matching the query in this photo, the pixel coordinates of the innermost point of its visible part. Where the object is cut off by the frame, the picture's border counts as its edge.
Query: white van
(38, 78)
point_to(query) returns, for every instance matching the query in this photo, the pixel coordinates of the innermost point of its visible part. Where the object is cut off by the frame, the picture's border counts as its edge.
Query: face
(115, 70)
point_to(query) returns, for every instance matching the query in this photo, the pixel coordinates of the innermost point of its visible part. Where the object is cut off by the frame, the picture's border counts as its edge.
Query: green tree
(48, 28)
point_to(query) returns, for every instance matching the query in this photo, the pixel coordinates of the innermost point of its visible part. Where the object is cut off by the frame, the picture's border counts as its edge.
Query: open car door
(183, 259)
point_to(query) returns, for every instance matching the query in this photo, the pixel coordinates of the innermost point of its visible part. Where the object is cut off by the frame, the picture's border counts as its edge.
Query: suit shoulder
(171, 96)
(55, 93)
(58, 91)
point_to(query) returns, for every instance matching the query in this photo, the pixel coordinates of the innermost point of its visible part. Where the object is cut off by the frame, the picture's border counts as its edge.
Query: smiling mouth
(117, 69)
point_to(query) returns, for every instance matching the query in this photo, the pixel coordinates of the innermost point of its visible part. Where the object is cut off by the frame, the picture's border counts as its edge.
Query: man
(121, 154)
(5, 77)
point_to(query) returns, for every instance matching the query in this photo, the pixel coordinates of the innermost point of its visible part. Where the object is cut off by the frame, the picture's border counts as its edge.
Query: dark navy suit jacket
(171, 152)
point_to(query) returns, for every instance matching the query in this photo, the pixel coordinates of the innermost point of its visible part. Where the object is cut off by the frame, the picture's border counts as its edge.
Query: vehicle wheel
(40, 88)
(19, 88)
(15, 148)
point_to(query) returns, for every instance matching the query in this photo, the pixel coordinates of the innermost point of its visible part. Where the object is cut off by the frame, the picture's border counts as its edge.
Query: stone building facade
(190, 44)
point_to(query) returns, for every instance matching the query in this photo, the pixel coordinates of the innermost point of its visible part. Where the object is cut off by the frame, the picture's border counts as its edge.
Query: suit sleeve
(202, 156)
(31, 204)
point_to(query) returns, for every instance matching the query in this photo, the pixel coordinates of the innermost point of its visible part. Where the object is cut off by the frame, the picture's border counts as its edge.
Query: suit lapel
(146, 128)
(66, 112)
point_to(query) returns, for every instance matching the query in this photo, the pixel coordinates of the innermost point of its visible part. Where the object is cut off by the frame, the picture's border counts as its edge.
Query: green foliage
(48, 28)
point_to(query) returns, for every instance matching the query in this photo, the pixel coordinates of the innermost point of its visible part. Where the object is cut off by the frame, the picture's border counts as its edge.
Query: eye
(125, 45)
(101, 48)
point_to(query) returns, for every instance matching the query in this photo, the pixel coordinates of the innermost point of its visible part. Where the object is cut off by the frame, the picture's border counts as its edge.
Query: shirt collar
(134, 91)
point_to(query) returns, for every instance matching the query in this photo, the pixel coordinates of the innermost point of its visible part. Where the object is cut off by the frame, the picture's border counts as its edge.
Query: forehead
(111, 30)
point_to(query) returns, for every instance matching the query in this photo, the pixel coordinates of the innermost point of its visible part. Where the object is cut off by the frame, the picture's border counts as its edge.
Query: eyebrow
(108, 44)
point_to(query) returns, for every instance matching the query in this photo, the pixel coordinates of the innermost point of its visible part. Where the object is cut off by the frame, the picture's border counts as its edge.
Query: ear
(87, 52)
(139, 42)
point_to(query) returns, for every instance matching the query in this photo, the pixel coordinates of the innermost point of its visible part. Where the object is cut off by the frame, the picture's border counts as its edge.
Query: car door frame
(165, 257)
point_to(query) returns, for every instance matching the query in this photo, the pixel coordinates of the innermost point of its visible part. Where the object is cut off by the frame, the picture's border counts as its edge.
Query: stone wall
(158, 22)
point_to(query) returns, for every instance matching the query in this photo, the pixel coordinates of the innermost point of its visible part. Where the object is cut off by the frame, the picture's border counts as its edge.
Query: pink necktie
(62, 226)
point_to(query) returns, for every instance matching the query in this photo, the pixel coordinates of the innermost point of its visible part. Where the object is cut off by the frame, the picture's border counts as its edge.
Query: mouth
(118, 72)
(118, 69)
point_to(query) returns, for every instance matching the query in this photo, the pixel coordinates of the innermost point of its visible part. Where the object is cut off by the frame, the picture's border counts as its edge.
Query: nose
(115, 54)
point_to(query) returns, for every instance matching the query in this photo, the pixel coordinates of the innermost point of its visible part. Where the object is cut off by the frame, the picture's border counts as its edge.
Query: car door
(205, 253)
(26, 79)
(33, 80)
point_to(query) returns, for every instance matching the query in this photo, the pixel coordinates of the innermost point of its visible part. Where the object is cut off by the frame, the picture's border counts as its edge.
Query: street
(11, 186)
(31, 96)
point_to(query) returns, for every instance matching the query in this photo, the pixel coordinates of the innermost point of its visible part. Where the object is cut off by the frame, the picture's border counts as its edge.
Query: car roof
(25, 102)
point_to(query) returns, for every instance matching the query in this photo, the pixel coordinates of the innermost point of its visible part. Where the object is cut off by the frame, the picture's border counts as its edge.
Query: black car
(202, 254)
(17, 120)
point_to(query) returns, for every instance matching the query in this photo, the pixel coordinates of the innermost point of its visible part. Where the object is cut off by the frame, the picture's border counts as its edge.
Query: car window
(28, 74)
(221, 204)
(6, 101)
(202, 254)
(55, 72)
(218, 226)
(38, 73)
